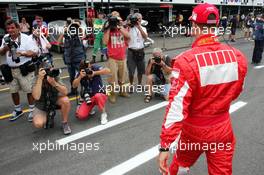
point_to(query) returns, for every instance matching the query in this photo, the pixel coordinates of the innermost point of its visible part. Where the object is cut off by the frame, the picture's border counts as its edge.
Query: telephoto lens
(157, 60)
(87, 98)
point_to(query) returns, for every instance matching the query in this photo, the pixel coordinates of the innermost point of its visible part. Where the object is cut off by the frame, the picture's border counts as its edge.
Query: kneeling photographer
(92, 91)
(158, 73)
(50, 93)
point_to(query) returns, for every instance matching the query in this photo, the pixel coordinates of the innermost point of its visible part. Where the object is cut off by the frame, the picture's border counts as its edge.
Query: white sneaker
(92, 112)
(104, 118)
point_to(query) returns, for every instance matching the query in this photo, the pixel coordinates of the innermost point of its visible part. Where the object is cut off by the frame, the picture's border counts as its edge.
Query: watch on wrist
(164, 149)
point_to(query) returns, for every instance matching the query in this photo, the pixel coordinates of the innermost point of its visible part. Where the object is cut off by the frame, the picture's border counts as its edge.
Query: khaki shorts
(21, 82)
(38, 111)
(118, 71)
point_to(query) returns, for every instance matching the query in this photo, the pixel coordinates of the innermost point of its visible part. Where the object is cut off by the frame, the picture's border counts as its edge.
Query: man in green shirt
(98, 42)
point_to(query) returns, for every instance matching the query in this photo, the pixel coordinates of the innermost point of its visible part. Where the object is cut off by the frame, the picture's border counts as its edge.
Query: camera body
(157, 60)
(133, 20)
(88, 71)
(41, 59)
(13, 48)
(87, 98)
(52, 72)
(111, 23)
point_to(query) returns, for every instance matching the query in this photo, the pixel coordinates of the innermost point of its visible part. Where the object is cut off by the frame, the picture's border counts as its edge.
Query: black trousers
(258, 50)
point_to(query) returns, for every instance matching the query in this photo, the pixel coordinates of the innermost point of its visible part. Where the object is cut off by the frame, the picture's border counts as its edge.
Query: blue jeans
(73, 69)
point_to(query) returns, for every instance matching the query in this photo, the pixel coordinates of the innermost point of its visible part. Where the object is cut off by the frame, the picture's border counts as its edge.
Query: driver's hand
(163, 163)
(41, 73)
(82, 73)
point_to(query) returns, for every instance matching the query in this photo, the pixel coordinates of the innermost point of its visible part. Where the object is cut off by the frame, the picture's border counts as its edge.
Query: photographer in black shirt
(49, 92)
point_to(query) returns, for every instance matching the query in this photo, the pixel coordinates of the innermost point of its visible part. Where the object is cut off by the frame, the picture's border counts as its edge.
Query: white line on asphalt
(151, 153)
(133, 162)
(110, 124)
(259, 67)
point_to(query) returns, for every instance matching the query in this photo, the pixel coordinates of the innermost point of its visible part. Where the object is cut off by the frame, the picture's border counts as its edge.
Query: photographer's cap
(201, 12)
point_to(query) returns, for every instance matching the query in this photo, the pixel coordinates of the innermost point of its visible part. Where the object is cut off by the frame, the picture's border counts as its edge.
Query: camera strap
(37, 39)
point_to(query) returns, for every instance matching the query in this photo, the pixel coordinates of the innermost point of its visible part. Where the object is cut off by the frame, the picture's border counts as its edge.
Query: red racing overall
(205, 80)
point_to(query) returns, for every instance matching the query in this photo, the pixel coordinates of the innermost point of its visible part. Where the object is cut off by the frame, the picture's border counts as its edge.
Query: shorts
(166, 87)
(248, 29)
(133, 62)
(21, 82)
(118, 71)
(39, 112)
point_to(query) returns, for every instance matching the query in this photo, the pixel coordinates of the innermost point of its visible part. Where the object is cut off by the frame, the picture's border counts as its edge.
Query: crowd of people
(30, 67)
(199, 84)
(121, 43)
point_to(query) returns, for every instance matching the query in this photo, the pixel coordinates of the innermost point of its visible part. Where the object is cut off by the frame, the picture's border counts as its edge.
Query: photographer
(49, 91)
(116, 37)
(19, 69)
(42, 43)
(135, 53)
(74, 51)
(158, 73)
(92, 90)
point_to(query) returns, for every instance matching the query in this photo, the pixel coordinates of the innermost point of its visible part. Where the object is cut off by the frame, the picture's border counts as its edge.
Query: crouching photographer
(92, 91)
(158, 73)
(50, 94)
(18, 72)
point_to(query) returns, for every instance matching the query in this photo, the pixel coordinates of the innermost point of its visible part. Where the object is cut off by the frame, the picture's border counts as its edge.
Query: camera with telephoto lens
(88, 71)
(133, 20)
(52, 72)
(111, 23)
(13, 48)
(157, 60)
(87, 98)
(72, 27)
(41, 59)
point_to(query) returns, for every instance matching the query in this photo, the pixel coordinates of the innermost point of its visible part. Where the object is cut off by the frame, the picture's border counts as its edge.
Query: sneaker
(16, 115)
(66, 128)
(30, 116)
(104, 118)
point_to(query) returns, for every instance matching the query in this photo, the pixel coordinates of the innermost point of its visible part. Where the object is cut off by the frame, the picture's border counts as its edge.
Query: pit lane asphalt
(121, 142)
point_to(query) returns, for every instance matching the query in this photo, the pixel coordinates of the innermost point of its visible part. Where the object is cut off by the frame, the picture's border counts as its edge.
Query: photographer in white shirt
(19, 69)
(135, 53)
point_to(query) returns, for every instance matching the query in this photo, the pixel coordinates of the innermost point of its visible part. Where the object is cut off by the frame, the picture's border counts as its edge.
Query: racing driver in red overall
(205, 80)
